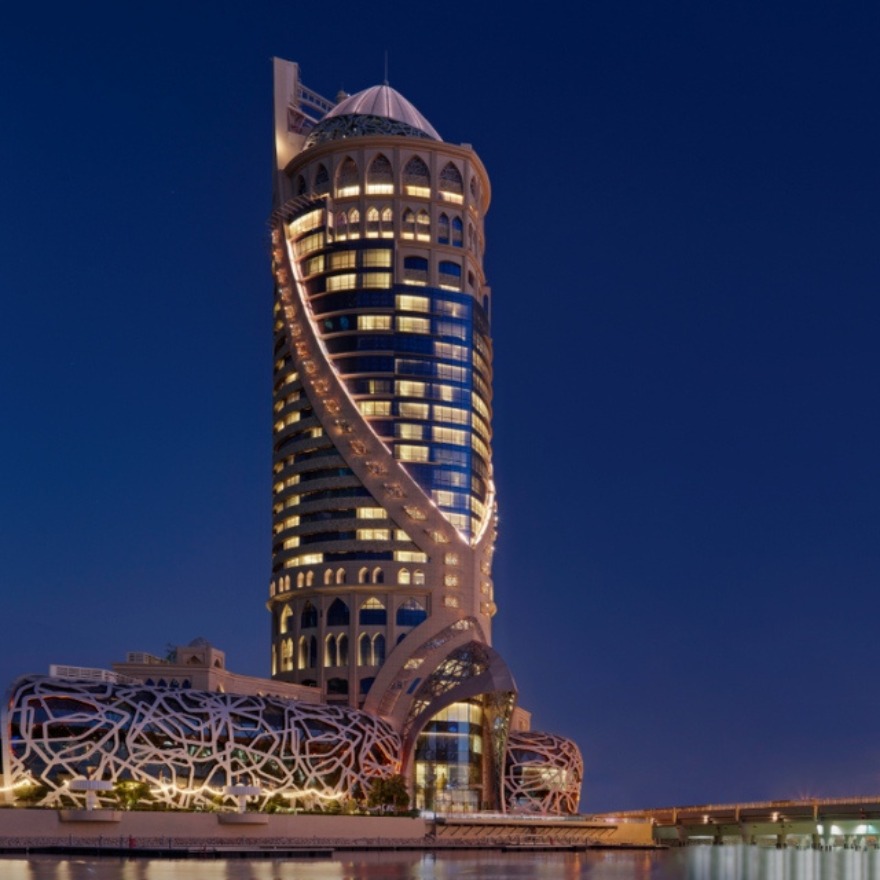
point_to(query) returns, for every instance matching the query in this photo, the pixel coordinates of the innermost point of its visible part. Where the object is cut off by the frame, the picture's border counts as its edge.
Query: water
(693, 863)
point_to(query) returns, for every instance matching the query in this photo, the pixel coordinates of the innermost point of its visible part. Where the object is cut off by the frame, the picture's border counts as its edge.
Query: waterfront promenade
(181, 834)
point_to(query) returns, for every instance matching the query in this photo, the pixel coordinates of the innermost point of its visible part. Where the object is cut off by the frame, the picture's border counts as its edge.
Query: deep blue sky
(683, 248)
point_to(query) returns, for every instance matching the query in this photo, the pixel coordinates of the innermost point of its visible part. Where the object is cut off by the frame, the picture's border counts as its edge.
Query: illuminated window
(423, 226)
(343, 260)
(386, 230)
(413, 410)
(453, 436)
(410, 556)
(372, 229)
(314, 266)
(450, 414)
(403, 576)
(286, 614)
(376, 280)
(407, 324)
(365, 654)
(409, 388)
(418, 577)
(309, 243)
(409, 224)
(306, 223)
(401, 535)
(406, 431)
(374, 322)
(375, 407)
(354, 223)
(450, 559)
(450, 580)
(348, 179)
(380, 176)
(341, 226)
(451, 186)
(291, 543)
(371, 513)
(416, 179)
(376, 258)
(342, 282)
(409, 452)
(409, 303)
(451, 601)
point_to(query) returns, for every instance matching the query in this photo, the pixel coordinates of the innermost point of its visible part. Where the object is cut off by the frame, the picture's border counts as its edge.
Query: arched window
(342, 649)
(309, 617)
(337, 613)
(348, 179)
(287, 582)
(365, 652)
(286, 614)
(451, 185)
(403, 576)
(423, 226)
(418, 577)
(411, 613)
(378, 649)
(330, 651)
(299, 187)
(340, 575)
(416, 179)
(443, 229)
(380, 176)
(341, 226)
(373, 613)
(378, 576)
(310, 578)
(372, 229)
(322, 181)
(364, 576)
(354, 223)
(303, 653)
(457, 231)
(409, 224)
(472, 237)
(387, 228)
(328, 577)
(300, 580)
(313, 652)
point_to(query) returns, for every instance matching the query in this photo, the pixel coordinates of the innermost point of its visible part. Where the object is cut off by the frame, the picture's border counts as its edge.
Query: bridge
(821, 823)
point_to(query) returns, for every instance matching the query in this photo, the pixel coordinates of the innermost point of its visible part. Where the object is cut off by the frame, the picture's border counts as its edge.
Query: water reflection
(693, 863)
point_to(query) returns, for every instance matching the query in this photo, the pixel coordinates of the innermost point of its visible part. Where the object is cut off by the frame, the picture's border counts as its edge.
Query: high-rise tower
(383, 499)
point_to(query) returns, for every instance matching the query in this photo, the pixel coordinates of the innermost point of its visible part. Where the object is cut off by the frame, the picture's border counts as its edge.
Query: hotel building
(384, 512)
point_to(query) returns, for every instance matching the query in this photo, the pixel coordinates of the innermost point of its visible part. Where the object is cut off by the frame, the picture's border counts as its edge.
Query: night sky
(683, 251)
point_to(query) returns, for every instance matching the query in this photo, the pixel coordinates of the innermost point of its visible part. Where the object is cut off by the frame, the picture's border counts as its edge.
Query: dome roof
(387, 103)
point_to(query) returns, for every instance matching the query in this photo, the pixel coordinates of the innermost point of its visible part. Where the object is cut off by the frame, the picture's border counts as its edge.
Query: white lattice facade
(543, 773)
(188, 745)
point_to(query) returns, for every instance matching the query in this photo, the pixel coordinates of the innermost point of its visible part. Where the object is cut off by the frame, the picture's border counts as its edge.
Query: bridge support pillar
(816, 841)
